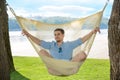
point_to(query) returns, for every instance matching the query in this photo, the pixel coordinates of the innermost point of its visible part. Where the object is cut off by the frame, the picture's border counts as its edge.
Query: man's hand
(97, 29)
(34, 39)
(86, 37)
(24, 32)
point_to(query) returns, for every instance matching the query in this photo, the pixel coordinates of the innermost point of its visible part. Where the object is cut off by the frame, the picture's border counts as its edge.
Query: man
(59, 49)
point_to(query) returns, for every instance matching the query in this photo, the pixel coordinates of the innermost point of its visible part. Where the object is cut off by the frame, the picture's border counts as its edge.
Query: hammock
(73, 30)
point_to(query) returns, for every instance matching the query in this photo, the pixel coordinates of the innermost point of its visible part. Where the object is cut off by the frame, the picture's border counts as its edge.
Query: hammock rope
(76, 27)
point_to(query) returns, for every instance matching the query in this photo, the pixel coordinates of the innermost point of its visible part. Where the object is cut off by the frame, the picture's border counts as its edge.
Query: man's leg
(44, 52)
(79, 57)
(50, 70)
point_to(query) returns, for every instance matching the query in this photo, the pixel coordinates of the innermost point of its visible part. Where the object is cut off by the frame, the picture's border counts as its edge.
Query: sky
(64, 8)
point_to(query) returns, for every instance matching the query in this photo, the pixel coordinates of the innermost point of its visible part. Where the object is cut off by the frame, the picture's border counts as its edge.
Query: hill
(13, 24)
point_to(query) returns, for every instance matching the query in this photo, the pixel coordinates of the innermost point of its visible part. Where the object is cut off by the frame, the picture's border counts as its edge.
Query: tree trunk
(4, 69)
(114, 41)
(6, 61)
(7, 43)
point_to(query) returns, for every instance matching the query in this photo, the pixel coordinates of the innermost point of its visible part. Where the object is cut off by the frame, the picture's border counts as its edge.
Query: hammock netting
(73, 30)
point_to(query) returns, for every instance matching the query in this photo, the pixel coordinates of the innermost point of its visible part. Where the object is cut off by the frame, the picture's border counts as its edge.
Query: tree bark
(114, 41)
(7, 42)
(4, 69)
(6, 61)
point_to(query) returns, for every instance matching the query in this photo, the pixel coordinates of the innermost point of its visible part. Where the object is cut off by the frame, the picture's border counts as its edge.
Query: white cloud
(71, 10)
(111, 1)
(20, 12)
(65, 8)
(51, 14)
(49, 11)
(68, 10)
(86, 2)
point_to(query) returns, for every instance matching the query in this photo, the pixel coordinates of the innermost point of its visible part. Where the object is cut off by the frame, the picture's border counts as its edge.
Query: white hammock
(73, 30)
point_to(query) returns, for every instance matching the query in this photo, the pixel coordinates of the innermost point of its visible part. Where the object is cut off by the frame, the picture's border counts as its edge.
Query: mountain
(13, 24)
(104, 23)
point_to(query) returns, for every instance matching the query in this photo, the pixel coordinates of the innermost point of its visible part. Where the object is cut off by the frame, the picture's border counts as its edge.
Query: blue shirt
(61, 52)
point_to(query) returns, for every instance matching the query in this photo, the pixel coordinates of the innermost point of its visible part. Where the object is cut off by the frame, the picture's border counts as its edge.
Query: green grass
(32, 68)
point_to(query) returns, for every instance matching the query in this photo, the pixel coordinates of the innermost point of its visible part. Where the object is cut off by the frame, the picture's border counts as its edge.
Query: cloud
(20, 12)
(68, 10)
(87, 2)
(51, 14)
(111, 1)
(65, 8)
(49, 11)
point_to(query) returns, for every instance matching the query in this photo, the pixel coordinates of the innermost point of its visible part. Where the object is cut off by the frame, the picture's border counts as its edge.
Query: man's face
(58, 36)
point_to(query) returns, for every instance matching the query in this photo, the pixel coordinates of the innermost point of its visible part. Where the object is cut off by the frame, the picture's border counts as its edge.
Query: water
(21, 46)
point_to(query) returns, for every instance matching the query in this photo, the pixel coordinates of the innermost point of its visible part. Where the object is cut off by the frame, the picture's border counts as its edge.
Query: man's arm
(86, 37)
(34, 39)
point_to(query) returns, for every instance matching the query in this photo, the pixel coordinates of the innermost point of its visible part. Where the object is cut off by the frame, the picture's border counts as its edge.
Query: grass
(32, 68)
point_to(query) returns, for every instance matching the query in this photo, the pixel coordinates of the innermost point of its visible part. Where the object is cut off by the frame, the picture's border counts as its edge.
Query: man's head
(59, 34)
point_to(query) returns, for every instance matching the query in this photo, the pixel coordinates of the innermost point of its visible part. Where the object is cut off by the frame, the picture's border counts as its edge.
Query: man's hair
(60, 29)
